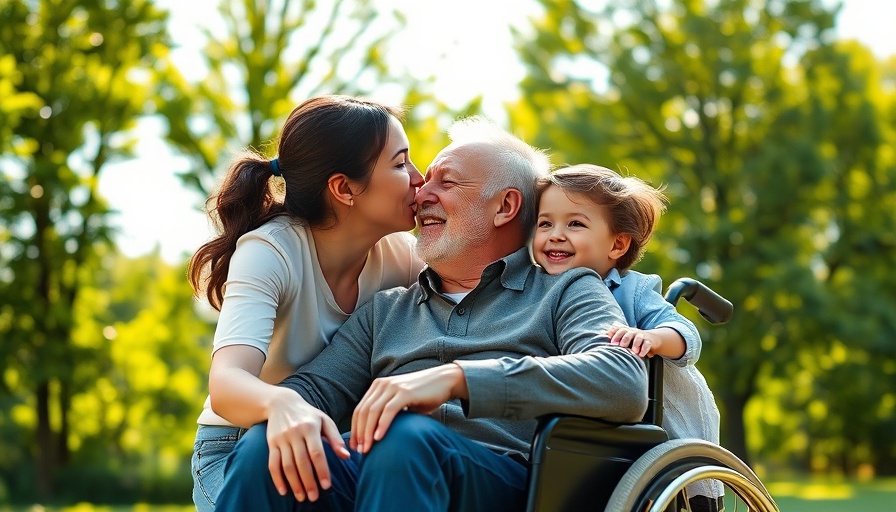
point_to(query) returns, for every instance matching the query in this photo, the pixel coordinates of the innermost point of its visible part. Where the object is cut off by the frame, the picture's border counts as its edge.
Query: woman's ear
(621, 244)
(509, 207)
(339, 187)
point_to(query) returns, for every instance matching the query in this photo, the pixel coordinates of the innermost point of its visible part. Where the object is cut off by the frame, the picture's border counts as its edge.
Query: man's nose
(424, 195)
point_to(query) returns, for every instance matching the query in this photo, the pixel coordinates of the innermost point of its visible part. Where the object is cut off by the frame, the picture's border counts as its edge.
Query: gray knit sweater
(529, 343)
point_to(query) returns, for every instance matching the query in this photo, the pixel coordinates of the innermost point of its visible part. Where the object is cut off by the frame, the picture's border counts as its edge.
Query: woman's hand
(296, 432)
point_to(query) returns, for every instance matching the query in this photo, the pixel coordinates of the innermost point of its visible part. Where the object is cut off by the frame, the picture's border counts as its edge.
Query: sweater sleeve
(588, 377)
(335, 380)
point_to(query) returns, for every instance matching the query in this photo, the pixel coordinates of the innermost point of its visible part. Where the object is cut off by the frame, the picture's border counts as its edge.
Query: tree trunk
(733, 433)
(46, 446)
(63, 455)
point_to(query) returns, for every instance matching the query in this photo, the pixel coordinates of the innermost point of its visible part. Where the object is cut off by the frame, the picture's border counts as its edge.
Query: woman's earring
(351, 201)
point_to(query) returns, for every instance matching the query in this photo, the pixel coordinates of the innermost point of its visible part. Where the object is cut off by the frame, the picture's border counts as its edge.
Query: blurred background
(772, 125)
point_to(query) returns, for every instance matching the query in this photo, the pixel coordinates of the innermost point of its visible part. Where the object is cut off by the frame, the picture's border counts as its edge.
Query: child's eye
(544, 224)
(576, 224)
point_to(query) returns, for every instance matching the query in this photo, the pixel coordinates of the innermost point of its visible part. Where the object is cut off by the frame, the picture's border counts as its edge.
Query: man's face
(451, 212)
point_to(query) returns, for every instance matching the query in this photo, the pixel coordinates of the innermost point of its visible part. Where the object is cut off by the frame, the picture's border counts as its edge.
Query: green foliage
(775, 145)
(137, 394)
(273, 55)
(76, 69)
(105, 360)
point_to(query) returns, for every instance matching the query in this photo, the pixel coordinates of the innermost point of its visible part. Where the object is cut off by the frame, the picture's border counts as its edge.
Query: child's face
(572, 232)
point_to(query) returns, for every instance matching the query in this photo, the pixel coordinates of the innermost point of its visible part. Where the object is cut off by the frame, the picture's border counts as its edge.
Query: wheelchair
(579, 463)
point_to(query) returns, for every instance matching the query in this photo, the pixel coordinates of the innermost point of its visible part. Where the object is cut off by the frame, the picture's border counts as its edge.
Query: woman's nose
(416, 176)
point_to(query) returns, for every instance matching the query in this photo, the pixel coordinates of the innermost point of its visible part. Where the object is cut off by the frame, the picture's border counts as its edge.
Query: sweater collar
(512, 269)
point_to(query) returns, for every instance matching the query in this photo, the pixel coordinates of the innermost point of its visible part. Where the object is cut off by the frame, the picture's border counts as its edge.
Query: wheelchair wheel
(659, 481)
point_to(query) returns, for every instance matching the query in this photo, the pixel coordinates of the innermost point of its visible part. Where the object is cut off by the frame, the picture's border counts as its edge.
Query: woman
(285, 275)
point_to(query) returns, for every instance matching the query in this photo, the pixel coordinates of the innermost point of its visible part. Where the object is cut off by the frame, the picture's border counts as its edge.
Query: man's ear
(509, 207)
(620, 246)
(339, 187)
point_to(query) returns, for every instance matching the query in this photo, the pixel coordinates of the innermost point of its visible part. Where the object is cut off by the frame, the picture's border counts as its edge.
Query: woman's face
(387, 202)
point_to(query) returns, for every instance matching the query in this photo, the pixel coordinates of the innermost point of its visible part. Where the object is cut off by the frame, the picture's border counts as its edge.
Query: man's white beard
(457, 238)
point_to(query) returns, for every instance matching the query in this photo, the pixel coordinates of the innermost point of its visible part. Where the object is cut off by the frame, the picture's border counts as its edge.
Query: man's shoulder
(391, 296)
(567, 275)
(574, 277)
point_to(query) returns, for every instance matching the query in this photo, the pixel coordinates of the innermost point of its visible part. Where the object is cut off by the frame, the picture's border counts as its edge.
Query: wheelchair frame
(579, 463)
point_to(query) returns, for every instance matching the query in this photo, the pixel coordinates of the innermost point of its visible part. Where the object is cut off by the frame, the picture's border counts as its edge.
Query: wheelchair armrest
(575, 462)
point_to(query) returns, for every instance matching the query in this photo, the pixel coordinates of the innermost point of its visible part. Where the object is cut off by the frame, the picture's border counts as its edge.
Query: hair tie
(275, 168)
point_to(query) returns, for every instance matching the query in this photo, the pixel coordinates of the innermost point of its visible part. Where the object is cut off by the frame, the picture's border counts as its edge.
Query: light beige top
(277, 300)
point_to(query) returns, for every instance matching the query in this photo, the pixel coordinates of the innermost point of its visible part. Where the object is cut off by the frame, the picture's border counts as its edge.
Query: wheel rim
(742, 487)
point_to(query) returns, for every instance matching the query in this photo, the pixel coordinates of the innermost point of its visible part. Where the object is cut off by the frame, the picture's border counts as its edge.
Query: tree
(734, 107)
(134, 419)
(272, 54)
(85, 62)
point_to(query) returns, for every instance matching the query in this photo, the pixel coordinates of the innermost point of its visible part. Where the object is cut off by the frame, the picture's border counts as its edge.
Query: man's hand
(296, 431)
(423, 392)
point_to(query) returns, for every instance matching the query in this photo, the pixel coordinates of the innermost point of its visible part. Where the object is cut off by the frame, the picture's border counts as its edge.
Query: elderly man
(447, 377)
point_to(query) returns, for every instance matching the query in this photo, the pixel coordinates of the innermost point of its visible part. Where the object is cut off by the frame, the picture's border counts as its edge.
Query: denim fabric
(641, 299)
(419, 465)
(212, 446)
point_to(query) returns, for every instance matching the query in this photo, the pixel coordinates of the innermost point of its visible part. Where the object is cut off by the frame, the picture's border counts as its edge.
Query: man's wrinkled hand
(422, 392)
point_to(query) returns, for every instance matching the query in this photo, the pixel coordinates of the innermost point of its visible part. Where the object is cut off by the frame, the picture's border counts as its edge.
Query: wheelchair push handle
(711, 306)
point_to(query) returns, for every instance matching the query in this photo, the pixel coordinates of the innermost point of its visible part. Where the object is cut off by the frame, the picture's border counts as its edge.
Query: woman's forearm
(237, 393)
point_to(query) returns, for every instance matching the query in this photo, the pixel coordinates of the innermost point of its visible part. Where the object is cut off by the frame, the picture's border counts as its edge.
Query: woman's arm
(237, 394)
(295, 430)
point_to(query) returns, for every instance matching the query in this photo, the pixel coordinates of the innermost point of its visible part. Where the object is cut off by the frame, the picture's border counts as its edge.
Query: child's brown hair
(632, 206)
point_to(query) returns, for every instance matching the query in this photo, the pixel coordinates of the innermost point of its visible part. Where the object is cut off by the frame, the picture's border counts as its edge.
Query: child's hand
(641, 343)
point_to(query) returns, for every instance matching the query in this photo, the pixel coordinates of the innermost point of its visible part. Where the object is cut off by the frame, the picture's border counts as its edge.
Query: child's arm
(663, 341)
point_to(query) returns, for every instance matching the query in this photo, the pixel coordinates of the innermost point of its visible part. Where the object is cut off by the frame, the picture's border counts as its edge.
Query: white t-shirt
(277, 300)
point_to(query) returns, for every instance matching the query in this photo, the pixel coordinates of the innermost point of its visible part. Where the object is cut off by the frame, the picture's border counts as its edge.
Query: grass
(796, 495)
(830, 495)
(90, 507)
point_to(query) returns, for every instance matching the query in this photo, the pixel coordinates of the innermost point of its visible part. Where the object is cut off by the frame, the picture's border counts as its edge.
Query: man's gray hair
(519, 164)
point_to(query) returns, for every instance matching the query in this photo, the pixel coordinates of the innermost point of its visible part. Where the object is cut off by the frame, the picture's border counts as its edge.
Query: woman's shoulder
(400, 240)
(396, 255)
(281, 229)
(397, 247)
(280, 235)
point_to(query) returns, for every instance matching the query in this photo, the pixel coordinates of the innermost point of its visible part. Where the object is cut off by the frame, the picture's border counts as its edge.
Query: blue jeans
(210, 450)
(419, 465)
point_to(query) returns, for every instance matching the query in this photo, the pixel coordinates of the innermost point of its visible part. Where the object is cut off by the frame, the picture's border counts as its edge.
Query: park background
(774, 135)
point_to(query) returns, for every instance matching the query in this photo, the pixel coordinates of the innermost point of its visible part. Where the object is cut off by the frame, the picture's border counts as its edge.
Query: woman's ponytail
(244, 201)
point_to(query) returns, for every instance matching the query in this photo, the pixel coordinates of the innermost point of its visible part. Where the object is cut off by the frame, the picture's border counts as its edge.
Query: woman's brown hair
(323, 136)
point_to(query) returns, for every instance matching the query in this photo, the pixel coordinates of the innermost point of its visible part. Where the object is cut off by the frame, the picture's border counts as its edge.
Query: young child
(590, 216)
